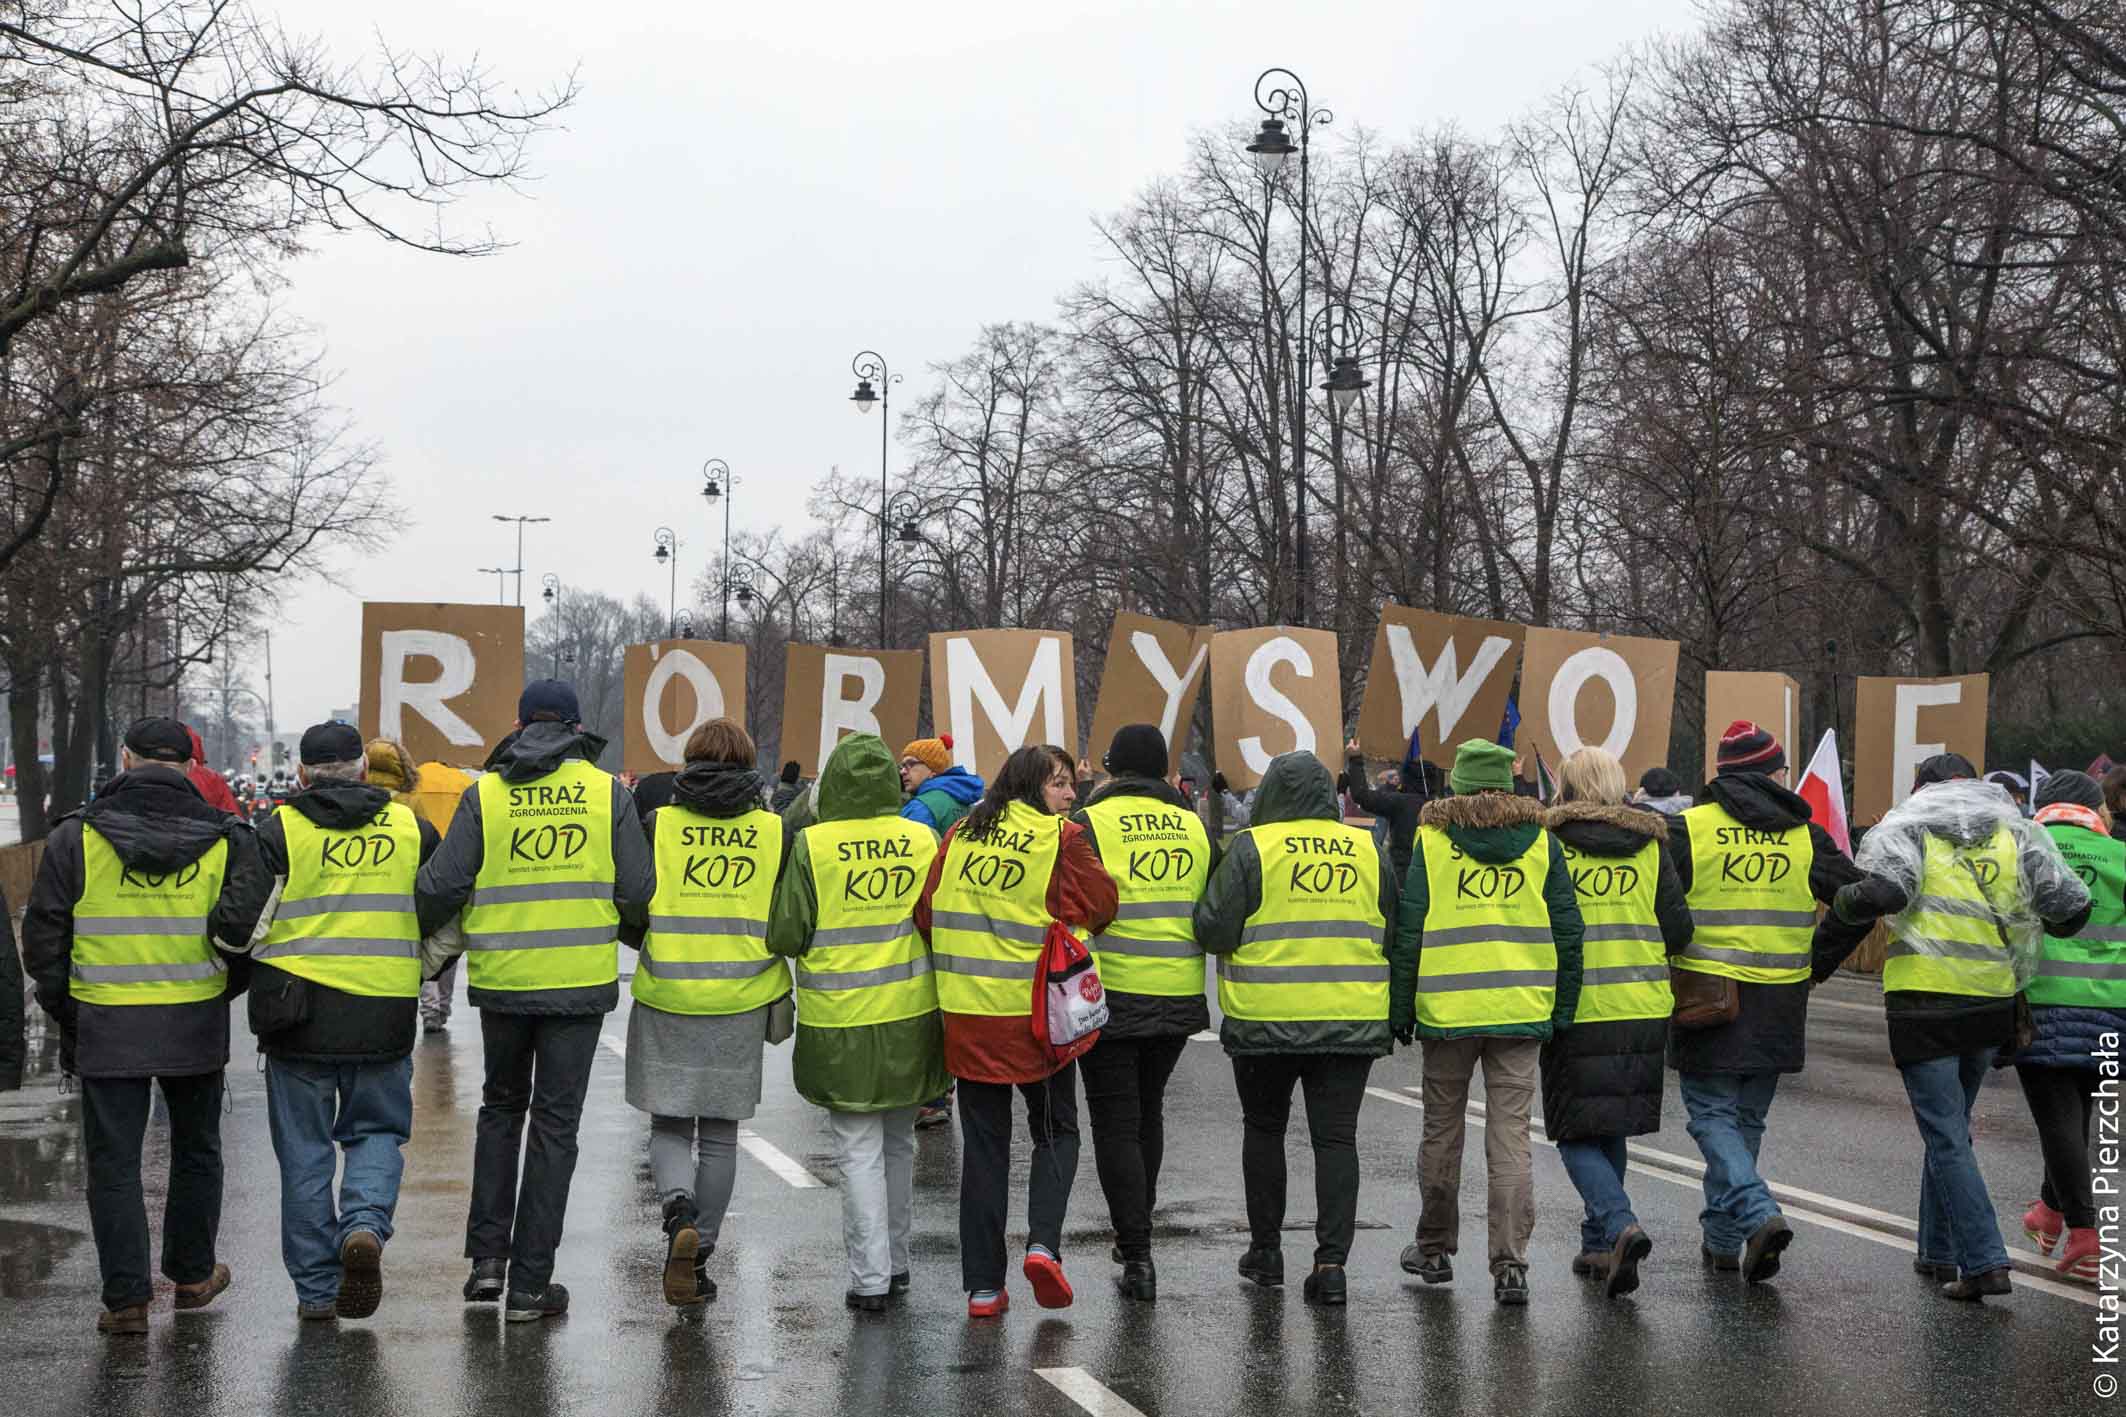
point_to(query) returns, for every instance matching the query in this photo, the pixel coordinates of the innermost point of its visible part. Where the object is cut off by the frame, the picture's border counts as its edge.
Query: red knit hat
(1747, 748)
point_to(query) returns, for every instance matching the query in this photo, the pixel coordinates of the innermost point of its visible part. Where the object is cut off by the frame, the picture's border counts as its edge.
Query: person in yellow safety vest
(1602, 1078)
(1491, 929)
(138, 900)
(1969, 887)
(1161, 858)
(547, 860)
(1301, 915)
(2078, 996)
(332, 1001)
(432, 790)
(870, 1042)
(706, 992)
(1007, 871)
(1754, 869)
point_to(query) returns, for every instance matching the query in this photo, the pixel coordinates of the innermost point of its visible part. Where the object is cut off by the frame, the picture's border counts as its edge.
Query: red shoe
(1045, 1273)
(988, 1308)
(2082, 1256)
(2043, 1225)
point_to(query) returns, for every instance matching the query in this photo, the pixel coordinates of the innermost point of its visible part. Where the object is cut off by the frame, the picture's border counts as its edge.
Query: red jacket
(211, 784)
(979, 1048)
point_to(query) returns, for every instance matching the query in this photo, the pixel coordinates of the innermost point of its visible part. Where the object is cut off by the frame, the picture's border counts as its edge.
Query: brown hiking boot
(133, 1318)
(198, 1296)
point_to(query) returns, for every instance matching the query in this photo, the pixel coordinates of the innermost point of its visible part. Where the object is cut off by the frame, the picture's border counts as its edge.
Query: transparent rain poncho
(1963, 817)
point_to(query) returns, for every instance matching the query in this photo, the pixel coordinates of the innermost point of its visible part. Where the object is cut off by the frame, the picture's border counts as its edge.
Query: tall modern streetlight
(668, 555)
(518, 570)
(501, 575)
(552, 596)
(874, 385)
(717, 482)
(1285, 100)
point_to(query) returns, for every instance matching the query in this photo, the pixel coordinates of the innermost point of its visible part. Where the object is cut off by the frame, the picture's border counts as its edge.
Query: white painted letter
(708, 702)
(1255, 679)
(1162, 671)
(838, 715)
(1911, 698)
(1042, 691)
(395, 695)
(1440, 687)
(1593, 662)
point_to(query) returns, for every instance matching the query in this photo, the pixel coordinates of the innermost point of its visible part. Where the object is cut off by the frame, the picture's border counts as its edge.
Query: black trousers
(541, 1065)
(114, 1125)
(1334, 1085)
(2062, 1102)
(1125, 1097)
(985, 1170)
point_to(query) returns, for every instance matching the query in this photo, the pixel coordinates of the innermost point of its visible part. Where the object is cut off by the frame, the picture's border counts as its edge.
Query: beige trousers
(1509, 1096)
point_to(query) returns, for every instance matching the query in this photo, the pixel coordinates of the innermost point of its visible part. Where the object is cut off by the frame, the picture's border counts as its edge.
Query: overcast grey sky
(747, 195)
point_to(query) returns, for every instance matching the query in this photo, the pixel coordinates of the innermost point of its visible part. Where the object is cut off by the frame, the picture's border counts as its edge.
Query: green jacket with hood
(874, 1067)
(1494, 828)
(1297, 787)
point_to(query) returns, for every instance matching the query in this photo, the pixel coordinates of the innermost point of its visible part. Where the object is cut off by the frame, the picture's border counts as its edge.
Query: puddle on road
(41, 1165)
(29, 1252)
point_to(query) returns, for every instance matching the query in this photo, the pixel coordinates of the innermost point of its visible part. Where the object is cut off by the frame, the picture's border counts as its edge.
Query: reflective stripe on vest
(866, 964)
(1313, 949)
(1948, 940)
(1624, 963)
(141, 938)
(542, 915)
(2089, 970)
(707, 947)
(345, 918)
(1752, 916)
(989, 916)
(1160, 857)
(1489, 958)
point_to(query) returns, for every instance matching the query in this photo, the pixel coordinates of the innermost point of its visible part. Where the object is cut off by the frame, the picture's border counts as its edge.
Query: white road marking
(1209, 1035)
(1688, 1172)
(1088, 1392)
(751, 1142)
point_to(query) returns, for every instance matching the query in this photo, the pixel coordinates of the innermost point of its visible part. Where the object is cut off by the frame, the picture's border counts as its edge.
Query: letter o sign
(1573, 675)
(708, 702)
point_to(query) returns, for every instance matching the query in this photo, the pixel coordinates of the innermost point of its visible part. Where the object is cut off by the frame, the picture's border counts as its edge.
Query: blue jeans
(366, 1110)
(1597, 1171)
(1956, 1221)
(1727, 1122)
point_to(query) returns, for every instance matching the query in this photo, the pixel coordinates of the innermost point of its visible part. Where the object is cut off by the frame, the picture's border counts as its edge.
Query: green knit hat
(1481, 766)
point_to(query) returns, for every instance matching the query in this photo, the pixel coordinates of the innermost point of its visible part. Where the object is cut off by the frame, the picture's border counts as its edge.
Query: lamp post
(1335, 337)
(552, 596)
(874, 384)
(1287, 99)
(738, 585)
(668, 556)
(501, 575)
(717, 482)
(518, 569)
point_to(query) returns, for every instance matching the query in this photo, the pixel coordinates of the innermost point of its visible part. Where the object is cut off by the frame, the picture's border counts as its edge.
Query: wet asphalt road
(1846, 1326)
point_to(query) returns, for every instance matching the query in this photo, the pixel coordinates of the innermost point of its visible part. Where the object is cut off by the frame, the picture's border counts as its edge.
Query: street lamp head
(1271, 147)
(910, 533)
(864, 397)
(1345, 382)
(548, 593)
(711, 490)
(745, 593)
(664, 553)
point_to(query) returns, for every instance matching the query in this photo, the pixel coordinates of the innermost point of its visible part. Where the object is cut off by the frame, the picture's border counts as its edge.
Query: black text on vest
(868, 885)
(1489, 882)
(1161, 863)
(1593, 877)
(548, 794)
(353, 852)
(547, 843)
(184, 876)
(719, 872)
(721, 834)
(991, 871)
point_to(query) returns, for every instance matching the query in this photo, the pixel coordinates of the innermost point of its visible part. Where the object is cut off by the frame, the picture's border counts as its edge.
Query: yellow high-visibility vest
(1160, 857)
(141, 938)
(989, 917)
(1624, 962)
(346, 917)
(707, 947)
(542, 914)
(1314, 948)
(1489, 959)
(1948, 939)
(1753, 918)
(866, 964)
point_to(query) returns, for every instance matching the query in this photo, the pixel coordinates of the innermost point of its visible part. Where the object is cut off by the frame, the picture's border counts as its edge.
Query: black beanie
(1139, 750)
(790, 772)
(2076, 788)
(1944, 767)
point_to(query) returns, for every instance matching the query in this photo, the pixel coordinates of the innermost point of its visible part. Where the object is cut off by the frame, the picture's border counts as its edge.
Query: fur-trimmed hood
(1491, 827)
(1599, 829)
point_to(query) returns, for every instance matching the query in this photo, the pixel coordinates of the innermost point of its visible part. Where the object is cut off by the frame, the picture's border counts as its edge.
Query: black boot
(682, 1249)
(1264, 1267)
(1978, 1286)
(1138, 1280)
(1325, 1285)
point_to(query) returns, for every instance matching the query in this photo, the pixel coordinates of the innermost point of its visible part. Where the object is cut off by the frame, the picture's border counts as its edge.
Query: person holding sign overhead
(1008, 871)
(870, 1045)
(1300, 914)
(707, 993)
(546, 859)
(1160, 857)
(1490, 970)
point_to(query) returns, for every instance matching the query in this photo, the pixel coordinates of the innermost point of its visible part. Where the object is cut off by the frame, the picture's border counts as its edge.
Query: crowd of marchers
(934, 942)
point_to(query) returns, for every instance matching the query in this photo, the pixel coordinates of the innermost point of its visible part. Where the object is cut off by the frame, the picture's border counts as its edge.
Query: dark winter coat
(1146, 1015)
(1397, 810)
(1295, 788)
(300, 1019)
(446, 881)
(2070, 1037)
(1603, 1079)
(156, 821)
(1770, 1035)
(14, 1022)
(1494, 828)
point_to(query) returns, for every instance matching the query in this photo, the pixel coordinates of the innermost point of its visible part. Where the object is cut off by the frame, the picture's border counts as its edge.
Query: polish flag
(1823, 789)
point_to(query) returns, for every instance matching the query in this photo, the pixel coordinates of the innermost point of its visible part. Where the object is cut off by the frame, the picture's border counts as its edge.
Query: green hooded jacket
(874, 1067)
(1494, 828)
(1297, 787)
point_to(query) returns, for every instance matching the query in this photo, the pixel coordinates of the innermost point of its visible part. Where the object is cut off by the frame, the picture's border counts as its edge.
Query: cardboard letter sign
(998, 690)
(1445, 675)
(1274, 691)
(441, 679)
(671, 688)
(827, 693)
(1770, 701)
(1597, 691)
(1900, 723)
(1154, 674)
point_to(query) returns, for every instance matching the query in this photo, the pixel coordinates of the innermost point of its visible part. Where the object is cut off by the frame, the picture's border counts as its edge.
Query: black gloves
(1217, 782)
(1343, 783)
(1404, 1032)
(1870, 899)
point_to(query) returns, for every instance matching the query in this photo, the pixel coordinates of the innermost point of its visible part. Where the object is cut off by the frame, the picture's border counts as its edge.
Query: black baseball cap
(333, 742)
(159, 740)
(551, 699)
